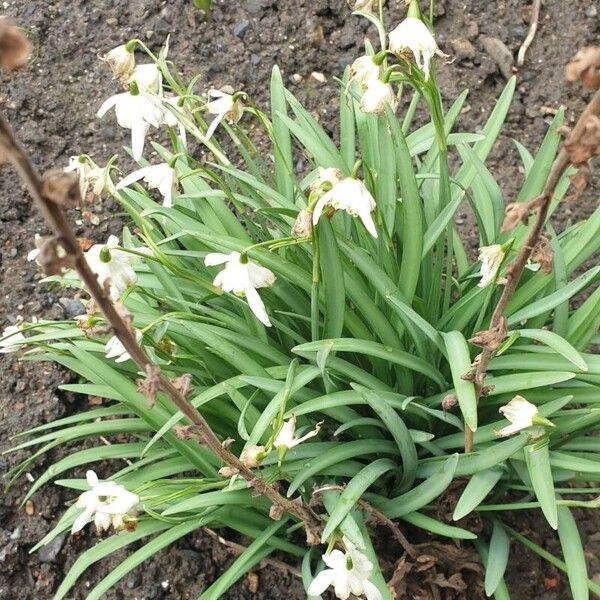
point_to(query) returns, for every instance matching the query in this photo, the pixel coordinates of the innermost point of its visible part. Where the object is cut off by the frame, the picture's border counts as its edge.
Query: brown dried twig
(541, 205)
(535, 19)
(52, 208)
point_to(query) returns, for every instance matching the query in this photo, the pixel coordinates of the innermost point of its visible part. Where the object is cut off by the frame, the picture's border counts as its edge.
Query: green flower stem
(314, 295)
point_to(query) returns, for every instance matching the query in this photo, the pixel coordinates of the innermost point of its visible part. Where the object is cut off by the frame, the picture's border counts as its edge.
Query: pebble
(500, 54)
(592, 11)
(463, 49)
(50, 551)
(72, 307)
(240, 29)
(16, 534)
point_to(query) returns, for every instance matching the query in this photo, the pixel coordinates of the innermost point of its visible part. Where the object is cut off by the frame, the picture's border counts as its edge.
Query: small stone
(318, 77)
(29, 508)
(472, 30)
(16, 534)
(240, 29)
(500, 54)
(591, 11)
(133, 581)
(463, 49)
(49, 552)
(72, 308)
(255, 59)
(296, 78)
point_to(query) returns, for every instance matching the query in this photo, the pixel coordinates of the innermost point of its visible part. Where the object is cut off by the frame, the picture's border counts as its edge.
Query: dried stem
(535, 19)
(55, 216)
(515, 271)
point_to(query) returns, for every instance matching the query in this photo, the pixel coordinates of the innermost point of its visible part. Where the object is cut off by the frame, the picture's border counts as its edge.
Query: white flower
(161, 177)
(121, 61)
(243, 279)
(329, 176)
(412, 34)
(520, 413)
(491, 258)
(352, 196)
(348, 573)
(148, 77)
(285, 438)
(224, 106)
(135, 110)
(10, 340)
(252, 456)
(363, 70)
(376, 95)
(107, 503)
(114, 348)
(112, 266)
(91, 176)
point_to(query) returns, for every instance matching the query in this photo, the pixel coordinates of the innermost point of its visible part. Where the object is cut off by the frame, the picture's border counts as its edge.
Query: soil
(52, 107)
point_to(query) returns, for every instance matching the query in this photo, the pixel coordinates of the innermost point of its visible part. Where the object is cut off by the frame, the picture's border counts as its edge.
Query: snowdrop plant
(273, 309)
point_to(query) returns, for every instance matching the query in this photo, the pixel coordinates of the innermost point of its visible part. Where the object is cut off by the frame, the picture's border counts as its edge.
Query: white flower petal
(257, 306)
(371, 591)
(321, 582)
(217, 258)
(82, 520)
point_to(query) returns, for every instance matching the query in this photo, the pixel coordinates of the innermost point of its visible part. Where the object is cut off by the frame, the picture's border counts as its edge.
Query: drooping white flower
(161, 177)
(115, 349)
(106, 502)
(148, 77)
(225, 107)
(121, 61)
(10, 340)
(412, 34)
(521, 413)
(363, 70)
(349, 573)
(285, 438)
(135, 110)
(491, 258)
(242, 279)
(376, 95)
(112, 266)
(352, 196)
(252, 456)
(326, 178)
(91, 177)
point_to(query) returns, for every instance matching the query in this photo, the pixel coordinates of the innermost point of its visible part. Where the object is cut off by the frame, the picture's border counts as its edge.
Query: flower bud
(252, 456)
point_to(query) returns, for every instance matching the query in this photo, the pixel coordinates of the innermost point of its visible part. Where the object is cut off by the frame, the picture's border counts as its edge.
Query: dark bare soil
(52, 106)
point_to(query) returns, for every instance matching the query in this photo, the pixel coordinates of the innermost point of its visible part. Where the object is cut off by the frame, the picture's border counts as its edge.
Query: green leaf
(460, 365)
(479, 486)
(438, 528)
(497, 558)
(573, 554)
(537, 457)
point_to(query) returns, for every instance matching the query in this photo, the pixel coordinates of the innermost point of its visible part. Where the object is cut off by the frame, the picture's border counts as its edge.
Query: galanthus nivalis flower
(412, 34)
(148, 77)
(352, 196)
(92, 178)
(107, 503)
(114, 348)
(326, 179)
(10, 340)
(252, 456)
(135, 110)
(376, 95)
(225, 107)
(112, 266)
(491, 258)
(349, 573)
(161, 177)
(521, 414)
(285, 438)
(243, 279)
(121, 61)
(363, 70)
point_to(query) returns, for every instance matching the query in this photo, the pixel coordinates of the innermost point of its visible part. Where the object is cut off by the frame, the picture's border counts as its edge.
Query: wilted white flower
(161, 177)
(352, 196)
(491, 258)
(522, 414)
(285, 438)
(91, 177)
(376, 95)
(243, 279)
(412, 34)
(225, 107)
(326, 178)
(112, 266)
(363, 70)
(302, 227)
(107, 503)
(115, 349)
(349, 573)
(121, 61)
(148, 77)
(10, 340)
(252, 456)
(135, 110)
(363, 5)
